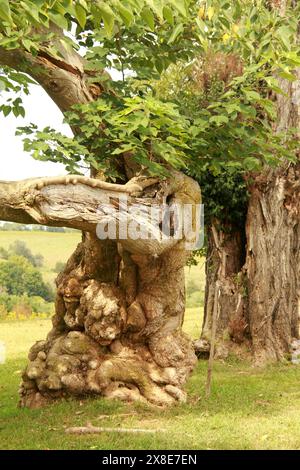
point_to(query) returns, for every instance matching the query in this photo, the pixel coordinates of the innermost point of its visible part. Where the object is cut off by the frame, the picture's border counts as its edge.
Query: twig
(213, 339)
(96, 430)
(121, 415)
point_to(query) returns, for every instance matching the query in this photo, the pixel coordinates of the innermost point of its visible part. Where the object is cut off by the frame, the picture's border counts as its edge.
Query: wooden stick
(213, 339)
(96, 430)
(120, 415)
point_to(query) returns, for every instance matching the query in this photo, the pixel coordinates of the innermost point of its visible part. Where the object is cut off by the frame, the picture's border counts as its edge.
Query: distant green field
(53, 246)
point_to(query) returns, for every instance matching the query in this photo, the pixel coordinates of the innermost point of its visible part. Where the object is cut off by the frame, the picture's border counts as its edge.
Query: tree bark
(259, 302)
(273, 230)
(272, 264)
(64, 80)
(224, 262)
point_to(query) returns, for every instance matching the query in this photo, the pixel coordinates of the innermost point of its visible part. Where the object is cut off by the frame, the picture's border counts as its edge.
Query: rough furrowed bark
(119, 311)
(272, 262)
(273, 234)
(259, 301)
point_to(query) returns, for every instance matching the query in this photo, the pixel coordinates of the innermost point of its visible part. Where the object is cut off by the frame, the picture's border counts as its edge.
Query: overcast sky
(14, 162)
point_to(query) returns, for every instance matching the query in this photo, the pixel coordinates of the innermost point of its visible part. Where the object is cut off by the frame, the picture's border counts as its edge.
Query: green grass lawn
(249, 408)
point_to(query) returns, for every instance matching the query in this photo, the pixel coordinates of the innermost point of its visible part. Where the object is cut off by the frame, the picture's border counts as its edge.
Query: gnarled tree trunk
(273, 234)
(273, 231)
(117, 329)
(120, 303)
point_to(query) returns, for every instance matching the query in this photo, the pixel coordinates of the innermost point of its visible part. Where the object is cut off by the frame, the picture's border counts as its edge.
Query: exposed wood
(120, 302)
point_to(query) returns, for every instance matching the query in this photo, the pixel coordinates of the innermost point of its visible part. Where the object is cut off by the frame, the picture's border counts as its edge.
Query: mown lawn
(249, 408)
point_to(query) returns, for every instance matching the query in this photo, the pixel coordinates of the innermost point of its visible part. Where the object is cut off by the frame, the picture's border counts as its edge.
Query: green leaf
(252, 95)
(176, 32)
(159, 65)
(284, 33)
(123, 148)
(180, 6)
(252, 163)
(125, 13)
(148, 17)
(156, 7)
(27, 44)
(287, 75)
(80, 15)
(58, 19)
(6, 110)
(107, 15)
(168, 15)
(219, 120)
(293, 58)
(5, 12)
(22, 111)
(274, 85)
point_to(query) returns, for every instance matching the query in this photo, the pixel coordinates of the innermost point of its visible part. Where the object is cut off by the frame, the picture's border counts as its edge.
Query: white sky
(16, 164)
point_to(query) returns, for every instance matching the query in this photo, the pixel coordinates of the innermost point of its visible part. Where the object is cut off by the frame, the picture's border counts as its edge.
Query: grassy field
(249, 408)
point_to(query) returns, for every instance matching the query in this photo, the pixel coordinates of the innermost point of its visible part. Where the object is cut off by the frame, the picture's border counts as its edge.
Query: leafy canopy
(159, 111)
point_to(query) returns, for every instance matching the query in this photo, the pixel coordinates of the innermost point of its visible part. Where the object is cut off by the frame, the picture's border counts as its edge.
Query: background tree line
(22, 288)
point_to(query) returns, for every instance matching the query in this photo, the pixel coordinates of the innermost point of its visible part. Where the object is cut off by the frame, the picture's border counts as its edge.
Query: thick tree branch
(85, 204)
(65, 87)
(64, 79)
